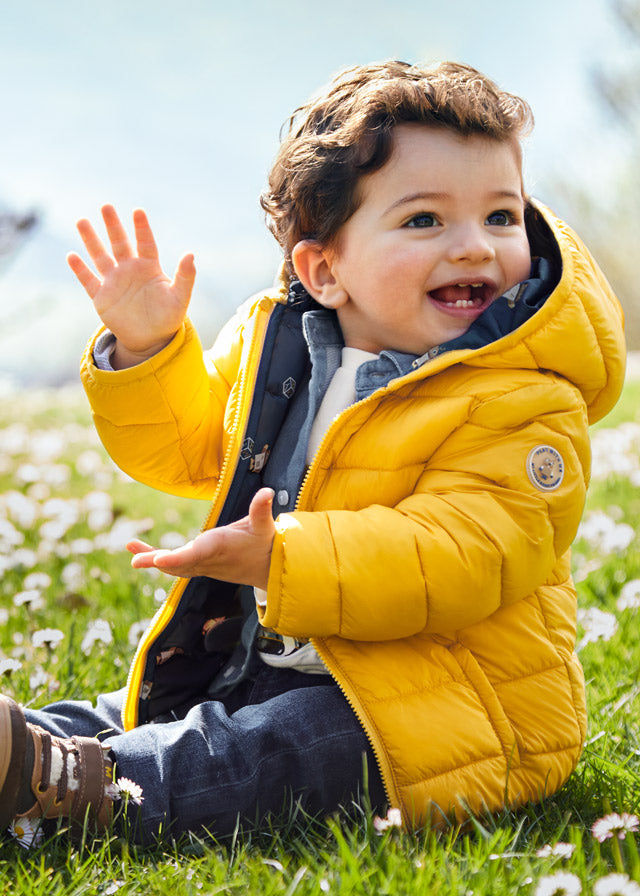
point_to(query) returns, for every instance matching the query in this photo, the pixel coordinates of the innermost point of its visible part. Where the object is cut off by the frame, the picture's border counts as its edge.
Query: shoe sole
(13, 740)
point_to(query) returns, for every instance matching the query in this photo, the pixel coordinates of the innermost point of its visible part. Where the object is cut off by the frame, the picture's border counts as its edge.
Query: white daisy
(137, 630)
(8, 665)
(615, 451)
(615, 824)
(616, 885)
(561, 883)
(73, 576)
(89, 462)
(112, 791)
(598, 625)
(10, 537)
(392, 820)
(26, 558)
(38, 678)
(629, 598)
(129, 791)
(603, 533)
(81, 546)
(32, 598)
(561, 850)
(37, 580)
(98, 630)
(47, 637)
(27, 831)
(23, 510)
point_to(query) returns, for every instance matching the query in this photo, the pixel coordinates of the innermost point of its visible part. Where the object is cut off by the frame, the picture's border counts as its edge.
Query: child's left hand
(239, 552)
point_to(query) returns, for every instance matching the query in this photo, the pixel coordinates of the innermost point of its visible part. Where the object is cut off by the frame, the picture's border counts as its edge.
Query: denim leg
(80, 717)
(205, 770)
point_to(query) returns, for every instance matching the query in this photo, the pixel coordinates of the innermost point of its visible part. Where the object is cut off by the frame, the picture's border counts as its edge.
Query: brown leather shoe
(27, 786)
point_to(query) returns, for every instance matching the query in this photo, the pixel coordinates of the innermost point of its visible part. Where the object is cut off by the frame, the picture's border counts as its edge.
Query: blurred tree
(611, 225)
(619, 88)
(14, 229)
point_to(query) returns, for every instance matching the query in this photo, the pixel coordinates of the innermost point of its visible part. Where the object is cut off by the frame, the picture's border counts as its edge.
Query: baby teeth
(461, 303)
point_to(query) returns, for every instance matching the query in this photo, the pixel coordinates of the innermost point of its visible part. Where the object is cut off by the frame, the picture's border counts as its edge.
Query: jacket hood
(577, 333)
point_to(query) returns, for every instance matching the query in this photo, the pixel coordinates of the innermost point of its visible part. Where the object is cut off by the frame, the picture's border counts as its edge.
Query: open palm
(133, 296)
(239, 552)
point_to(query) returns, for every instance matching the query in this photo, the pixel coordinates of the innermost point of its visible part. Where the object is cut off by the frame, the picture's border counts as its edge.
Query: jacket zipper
(227, 472)
(384, 766)
(435, 365)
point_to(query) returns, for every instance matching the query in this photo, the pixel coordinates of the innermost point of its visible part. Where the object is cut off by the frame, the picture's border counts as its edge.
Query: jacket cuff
(119, 395)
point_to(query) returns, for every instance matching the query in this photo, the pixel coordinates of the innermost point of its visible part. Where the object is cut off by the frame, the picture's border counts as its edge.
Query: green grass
(50, 461)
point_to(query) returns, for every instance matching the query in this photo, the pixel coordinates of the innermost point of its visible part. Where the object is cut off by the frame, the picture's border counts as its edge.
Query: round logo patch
(545, 467)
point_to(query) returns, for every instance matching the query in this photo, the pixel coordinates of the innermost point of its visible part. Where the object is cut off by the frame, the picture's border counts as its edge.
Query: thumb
(185, 276)
(260, 518)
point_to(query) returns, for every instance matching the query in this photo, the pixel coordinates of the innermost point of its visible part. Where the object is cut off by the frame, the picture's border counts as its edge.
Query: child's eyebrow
(435, 196)
(505, 194)
(430, 196)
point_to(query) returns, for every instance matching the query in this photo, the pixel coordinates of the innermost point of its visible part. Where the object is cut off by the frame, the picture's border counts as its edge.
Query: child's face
(438, 236)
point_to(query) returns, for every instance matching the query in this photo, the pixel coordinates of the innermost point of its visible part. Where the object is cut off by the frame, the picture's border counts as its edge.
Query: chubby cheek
(382, 268)
(402, 266)
(520, 268)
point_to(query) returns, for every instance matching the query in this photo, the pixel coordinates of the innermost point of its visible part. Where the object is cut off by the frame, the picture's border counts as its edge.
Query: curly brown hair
(346, 131)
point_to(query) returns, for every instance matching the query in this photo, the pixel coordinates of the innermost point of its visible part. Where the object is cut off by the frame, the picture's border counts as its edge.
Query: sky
(177, 107)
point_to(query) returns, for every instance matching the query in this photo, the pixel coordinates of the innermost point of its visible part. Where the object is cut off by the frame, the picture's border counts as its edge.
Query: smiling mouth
(463, 295)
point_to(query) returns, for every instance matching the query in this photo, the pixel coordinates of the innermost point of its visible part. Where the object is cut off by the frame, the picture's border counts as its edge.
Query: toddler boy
(395, 442)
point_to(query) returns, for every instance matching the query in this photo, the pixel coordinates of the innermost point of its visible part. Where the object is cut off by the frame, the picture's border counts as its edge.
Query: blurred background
(177, 105)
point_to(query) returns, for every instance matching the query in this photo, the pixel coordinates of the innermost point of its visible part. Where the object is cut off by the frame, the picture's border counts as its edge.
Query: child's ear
(313, 265)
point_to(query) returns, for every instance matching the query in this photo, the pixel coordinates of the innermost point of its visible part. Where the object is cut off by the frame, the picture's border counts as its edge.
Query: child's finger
(260, 515)
(179, 558)
(174, 563)
(146, 557)
(145, 241)
(155, 559)
(95, 247)
(84, 274)
(143, 560)
(120, 245)
(135, 546)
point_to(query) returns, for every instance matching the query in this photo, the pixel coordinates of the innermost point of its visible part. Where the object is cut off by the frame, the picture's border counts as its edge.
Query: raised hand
(239, 552)
(133, 296)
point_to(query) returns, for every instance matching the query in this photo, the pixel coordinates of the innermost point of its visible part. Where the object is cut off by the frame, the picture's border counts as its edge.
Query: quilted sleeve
(475, 532)
(163, 421)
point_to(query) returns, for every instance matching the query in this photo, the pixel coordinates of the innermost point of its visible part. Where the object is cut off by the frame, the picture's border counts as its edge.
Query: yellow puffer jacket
(428, 557)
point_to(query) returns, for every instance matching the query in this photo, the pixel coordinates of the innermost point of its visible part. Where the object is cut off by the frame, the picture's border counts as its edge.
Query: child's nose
(472, 244)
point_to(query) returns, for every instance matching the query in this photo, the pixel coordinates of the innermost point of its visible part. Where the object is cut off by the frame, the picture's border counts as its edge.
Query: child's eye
(501, 219)
(423, 219)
